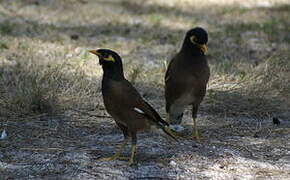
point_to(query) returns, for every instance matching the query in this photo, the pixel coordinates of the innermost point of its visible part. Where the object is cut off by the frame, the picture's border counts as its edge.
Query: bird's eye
(193, 39)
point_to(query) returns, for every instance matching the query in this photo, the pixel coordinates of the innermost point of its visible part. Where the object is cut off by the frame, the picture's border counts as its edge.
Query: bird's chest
(186, 98)
(111, 96)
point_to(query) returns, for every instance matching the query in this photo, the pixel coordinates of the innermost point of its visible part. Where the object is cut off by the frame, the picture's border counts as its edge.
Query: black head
(107, 56)
(110, 61)
(196, 38)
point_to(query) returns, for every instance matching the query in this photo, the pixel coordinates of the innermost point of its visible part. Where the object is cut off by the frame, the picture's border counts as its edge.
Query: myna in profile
(122, 101)
(186, 78)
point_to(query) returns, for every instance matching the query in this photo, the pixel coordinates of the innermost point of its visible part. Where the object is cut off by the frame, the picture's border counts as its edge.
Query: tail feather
(168, 131)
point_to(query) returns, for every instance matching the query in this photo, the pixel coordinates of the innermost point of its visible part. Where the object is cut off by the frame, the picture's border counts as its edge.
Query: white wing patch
(167, 78)
(138, 110)
(177, 128)
(3, 134)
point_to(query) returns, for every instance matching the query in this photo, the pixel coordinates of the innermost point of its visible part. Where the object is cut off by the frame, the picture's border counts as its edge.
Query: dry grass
(45, 68)
(31, 87)
(248, 49)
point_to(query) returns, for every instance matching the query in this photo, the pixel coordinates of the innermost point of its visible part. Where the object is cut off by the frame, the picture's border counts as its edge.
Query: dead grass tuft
(30, 88)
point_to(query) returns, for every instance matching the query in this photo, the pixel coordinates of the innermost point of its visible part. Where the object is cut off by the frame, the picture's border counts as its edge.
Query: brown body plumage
(122, 101)
(187, 77)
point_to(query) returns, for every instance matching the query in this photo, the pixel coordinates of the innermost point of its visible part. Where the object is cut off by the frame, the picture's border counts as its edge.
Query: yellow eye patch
(193, 39)
(109, 58)
(202, 47)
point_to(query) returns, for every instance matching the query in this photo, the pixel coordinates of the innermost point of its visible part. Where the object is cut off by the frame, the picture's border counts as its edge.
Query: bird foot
(123, 158)
(111, 158)
(132, 157)
(197, 137)
(114, 157)
(131, 162)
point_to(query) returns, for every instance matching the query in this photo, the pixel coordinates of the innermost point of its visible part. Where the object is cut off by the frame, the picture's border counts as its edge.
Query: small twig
(89, 114)
(281, 130)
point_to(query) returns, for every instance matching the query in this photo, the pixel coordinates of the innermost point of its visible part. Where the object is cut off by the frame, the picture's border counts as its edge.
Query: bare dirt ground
(61, 148)
(51, 105)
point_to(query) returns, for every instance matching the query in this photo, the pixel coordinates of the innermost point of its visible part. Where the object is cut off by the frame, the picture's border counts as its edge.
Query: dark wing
(185, 76)
(167, 74)
(174, 82)
(157, 117)
(135, 102)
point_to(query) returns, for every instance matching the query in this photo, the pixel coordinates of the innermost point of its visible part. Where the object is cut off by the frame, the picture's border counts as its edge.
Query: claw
(123, 158)
(111, 158)
(117, 154)
(195, 134)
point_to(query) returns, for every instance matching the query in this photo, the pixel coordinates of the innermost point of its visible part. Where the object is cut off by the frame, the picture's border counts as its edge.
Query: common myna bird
(186, 78)
(122, 101)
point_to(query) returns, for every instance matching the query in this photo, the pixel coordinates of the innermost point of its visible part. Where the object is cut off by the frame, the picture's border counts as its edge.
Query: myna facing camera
(186, 78)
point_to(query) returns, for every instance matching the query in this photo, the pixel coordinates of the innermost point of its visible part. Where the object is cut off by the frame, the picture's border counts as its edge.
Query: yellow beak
(94, 52)
(203, 48)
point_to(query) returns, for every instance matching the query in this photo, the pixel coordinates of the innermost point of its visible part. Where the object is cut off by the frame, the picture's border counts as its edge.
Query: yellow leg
(132, 157)
(117, 154)
(195, 131)
(167, 118)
